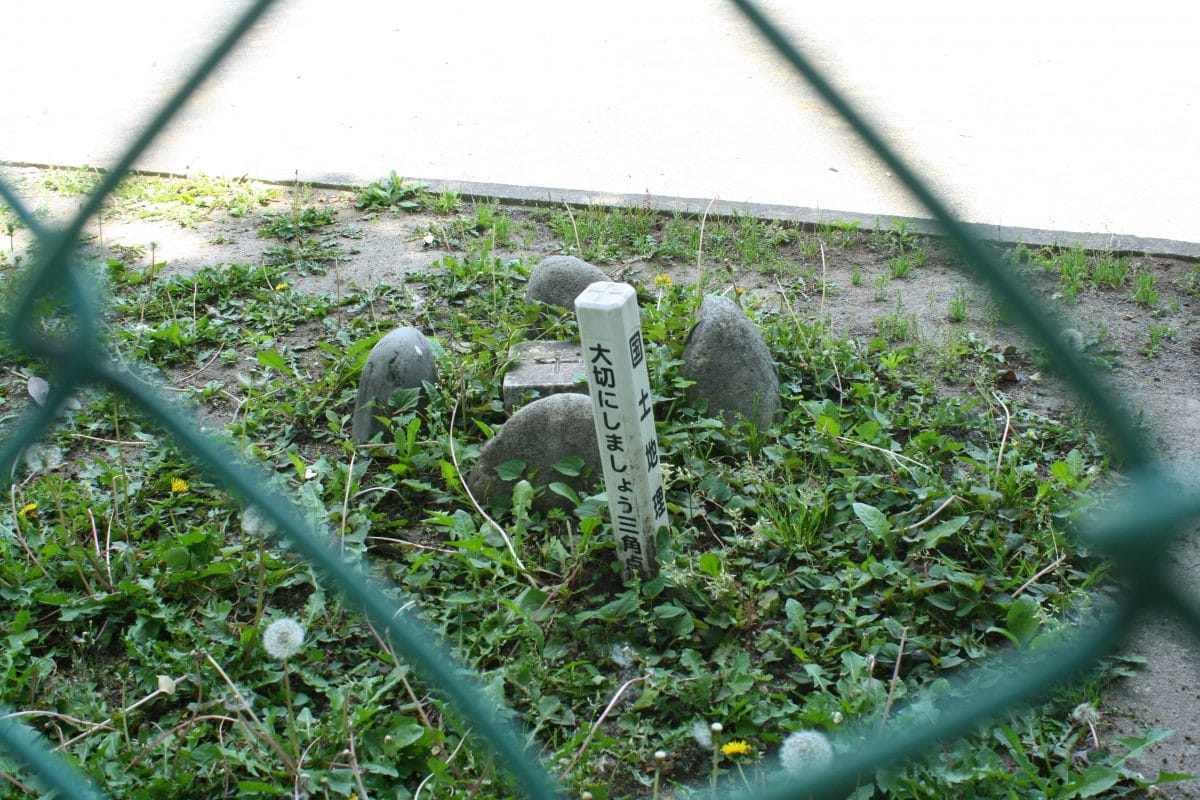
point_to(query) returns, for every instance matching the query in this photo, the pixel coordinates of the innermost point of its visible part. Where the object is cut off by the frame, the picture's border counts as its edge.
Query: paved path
(1035, 114)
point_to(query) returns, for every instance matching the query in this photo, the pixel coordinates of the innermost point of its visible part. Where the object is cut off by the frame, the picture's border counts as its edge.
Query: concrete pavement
(1059, 117)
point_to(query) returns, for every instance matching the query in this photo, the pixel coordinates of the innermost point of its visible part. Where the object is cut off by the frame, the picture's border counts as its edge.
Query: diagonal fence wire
(1144, 522)
(1134, 532)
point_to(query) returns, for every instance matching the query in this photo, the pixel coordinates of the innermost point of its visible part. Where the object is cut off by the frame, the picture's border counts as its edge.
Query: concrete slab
(541, 369)
(1040, 117)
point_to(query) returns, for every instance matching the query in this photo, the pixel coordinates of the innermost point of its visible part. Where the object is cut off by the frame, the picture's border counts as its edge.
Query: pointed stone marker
(401, 360)
(730, 366)
(615, 358)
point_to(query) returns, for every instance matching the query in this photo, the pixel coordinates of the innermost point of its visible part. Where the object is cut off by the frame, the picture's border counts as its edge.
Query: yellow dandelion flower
(739, 291)
(179, 486)
(736, 748)
(663, 281)
(28, 511)
(279, 287)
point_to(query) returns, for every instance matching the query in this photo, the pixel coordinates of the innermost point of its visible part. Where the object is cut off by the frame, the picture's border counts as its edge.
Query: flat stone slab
(546, 368)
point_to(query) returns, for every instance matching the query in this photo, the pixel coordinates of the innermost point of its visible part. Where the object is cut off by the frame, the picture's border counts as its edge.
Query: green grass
(191, 200)
(308, 239)
(738, 242)
(1111, 271)
(901, 237)
(1189, 283)
(959, 305)
(1077, 269)
(900, 266)
(188, 201)
(878, 511)
(897, 326)
(882, 287)
(1157, 337)
(393, 194)
(72, 181)
(839, 233)
(1144, 291)
(1073, 270)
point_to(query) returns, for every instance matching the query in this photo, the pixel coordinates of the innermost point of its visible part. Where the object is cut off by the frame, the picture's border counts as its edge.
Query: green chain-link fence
(1134, 531)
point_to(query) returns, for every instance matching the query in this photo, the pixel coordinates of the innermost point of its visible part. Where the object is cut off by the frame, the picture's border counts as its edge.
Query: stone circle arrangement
(726, 360)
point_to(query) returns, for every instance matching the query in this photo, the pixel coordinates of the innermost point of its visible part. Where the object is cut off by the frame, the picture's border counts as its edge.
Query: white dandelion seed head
(716, 727)
(237, 701)
(622, 654)
(805, 751)
(43, 458)
(255, 522)
(283, 638)
(1085, 713)
(702, 734)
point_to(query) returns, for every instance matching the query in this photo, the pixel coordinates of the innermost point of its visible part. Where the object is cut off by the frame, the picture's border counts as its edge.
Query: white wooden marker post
(611, 331)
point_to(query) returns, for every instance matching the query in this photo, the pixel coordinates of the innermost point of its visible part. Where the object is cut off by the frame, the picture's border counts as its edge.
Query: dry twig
(887, 708)
(1040, 573)
(495, 525)
(600, 720)
(932, 516)
(1007, 428)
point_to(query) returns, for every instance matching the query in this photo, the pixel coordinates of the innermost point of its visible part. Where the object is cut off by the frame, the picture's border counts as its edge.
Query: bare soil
(846, 288)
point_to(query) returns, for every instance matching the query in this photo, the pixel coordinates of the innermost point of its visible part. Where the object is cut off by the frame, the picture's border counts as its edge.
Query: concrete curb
(715, 207)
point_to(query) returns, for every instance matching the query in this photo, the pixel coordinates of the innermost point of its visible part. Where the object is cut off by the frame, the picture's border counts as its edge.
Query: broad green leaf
(874, 519)
(522, 496)
(563, 490)
(935, 535)
(710, 564)
(511, 470)
(614, 611)
(828, 425)
(1093, 780)
(795, 617)
(569, 466)
(675, 619)
(252, 788)
(867, 431)
(1022, 620)
(1151, 737)
(405, 732)
(272, 359)
(1171, 777)
(177, 558)
(531, 601)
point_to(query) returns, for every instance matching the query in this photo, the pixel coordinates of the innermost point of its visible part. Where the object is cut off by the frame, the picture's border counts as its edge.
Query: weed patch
(879, 539)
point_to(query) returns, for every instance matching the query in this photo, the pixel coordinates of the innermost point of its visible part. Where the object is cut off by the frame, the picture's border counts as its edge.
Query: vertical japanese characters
(615, 357)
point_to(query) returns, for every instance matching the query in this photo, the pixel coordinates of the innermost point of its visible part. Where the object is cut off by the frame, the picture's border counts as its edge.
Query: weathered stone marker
(614, 355)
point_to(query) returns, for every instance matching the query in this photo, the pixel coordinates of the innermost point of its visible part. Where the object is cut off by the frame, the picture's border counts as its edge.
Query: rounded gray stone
(541, 434)
(401, 360)
(558, 280)
(730, 365)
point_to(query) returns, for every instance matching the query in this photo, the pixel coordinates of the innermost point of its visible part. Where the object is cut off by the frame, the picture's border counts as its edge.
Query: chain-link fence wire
(1134, 531)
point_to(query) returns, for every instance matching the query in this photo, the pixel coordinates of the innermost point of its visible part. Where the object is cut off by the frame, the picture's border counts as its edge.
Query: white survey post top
(614, 355)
